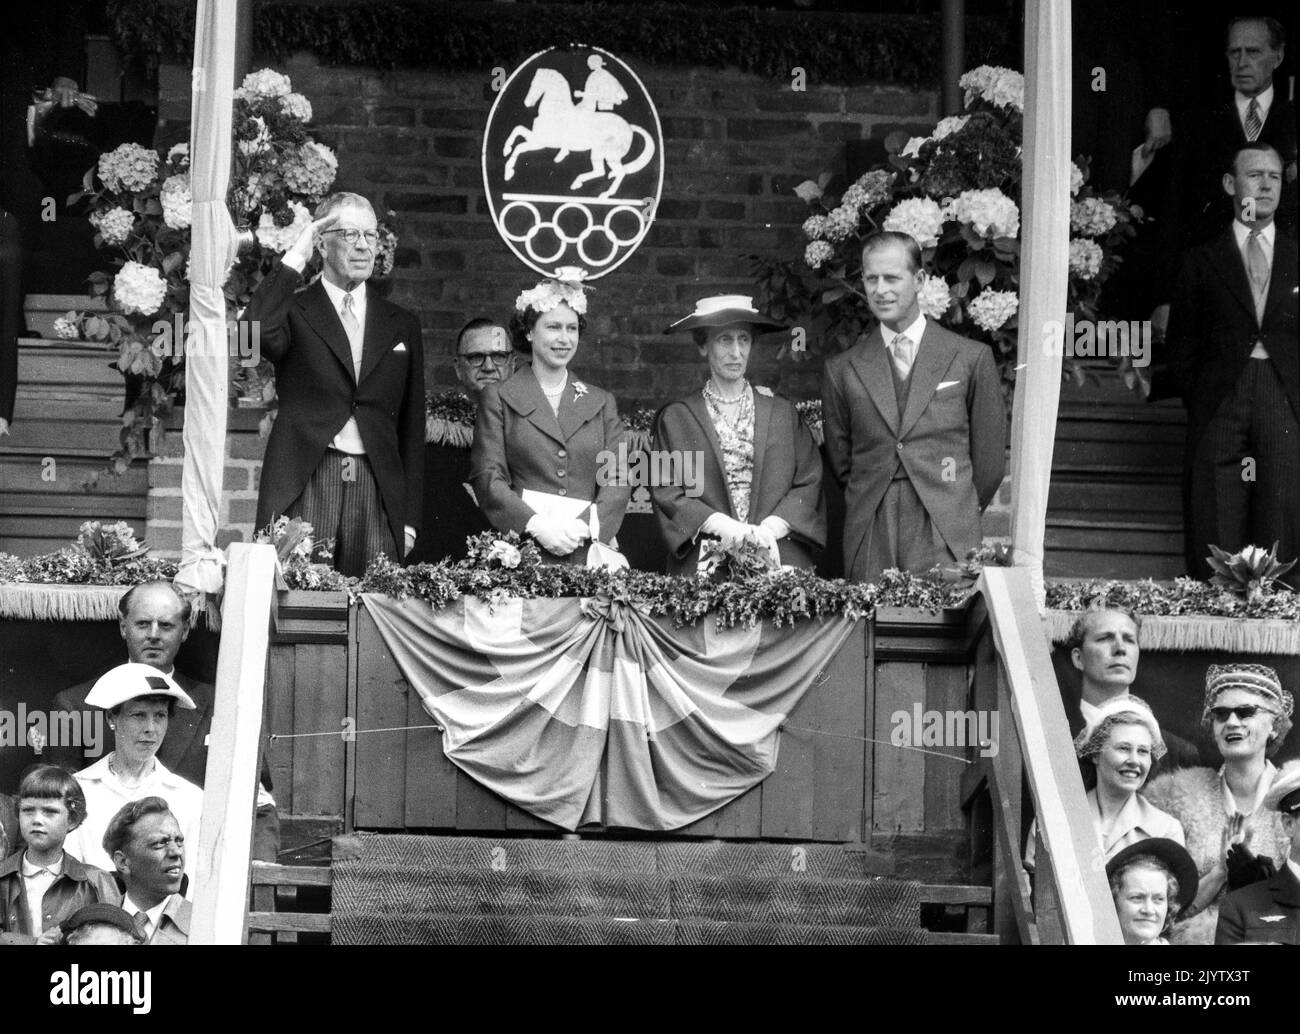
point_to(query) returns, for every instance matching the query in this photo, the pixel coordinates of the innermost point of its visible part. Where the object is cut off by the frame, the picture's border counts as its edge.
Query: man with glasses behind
(347, 450)
(483, 356)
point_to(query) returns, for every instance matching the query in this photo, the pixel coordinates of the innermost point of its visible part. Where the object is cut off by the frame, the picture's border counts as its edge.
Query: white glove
(765, 538)
(557, 535)
(726, 528)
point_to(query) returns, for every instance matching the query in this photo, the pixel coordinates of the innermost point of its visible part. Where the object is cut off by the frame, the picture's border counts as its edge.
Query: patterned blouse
(734, 422)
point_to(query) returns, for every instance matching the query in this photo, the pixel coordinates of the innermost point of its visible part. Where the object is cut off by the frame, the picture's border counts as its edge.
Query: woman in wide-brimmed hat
(1231, 836)
(1151, 881)
(542, 437)
(748, 466)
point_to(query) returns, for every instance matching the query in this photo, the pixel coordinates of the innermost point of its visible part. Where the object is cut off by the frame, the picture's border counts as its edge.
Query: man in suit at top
(154, 622)
(915, 426)
(1234, 359)
(1268, 912)
(484, 356)
(346, 453)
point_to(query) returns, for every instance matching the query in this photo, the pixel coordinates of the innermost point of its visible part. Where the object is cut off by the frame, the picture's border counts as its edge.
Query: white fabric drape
(1044, 276)
(213, 250)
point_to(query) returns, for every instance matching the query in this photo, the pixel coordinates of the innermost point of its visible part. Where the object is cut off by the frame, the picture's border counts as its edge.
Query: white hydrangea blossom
(1076, 179)
(870, 189)
(128, 167)
(920, 218)
(948, 126)
(816, 253)
(1092, 217)
(934, 297)
(814, 227)
(295, 105)
(65, 327)
(311, 170)
(280, 238)
(177, 201)
(1001, 87)
(1085, 258)
(113, 225)
(989, 212)
(912, 148)
(265, 82)
(841, 222)
(991, 309)
(139, 288)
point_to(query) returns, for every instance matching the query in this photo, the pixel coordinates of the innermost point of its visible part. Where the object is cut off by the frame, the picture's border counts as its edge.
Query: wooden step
(64, 427)
(67, 371)
(41, 310)
(1155, 495)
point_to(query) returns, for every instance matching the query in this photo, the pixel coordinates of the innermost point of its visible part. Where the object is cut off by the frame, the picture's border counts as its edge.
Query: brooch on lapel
(579, 389)
(765, 392)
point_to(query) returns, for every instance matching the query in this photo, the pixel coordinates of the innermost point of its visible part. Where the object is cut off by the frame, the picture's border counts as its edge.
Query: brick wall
(736, 145)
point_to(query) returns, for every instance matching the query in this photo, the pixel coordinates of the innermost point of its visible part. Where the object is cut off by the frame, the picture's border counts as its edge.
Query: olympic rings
(528, 238)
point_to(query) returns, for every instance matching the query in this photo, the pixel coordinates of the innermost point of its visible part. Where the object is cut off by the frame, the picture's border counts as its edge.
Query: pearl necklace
(714, 395)
(558, 392)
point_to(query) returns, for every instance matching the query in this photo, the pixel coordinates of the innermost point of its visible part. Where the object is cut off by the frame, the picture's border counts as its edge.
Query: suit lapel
(933, 357)
(1227, 258)
(525, 396)
(1282, 279)
(1285, 888)
(695, 403)
(320, 314)
(871, 364)
(762, 422)
(378, 333)
(575, 409)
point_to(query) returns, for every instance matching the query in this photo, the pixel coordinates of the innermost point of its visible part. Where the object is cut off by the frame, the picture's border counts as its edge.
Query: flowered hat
(719, 310)
(1089, 741)
(565, 288)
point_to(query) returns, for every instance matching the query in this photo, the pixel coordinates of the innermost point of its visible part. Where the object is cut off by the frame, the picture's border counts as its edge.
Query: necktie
(902, 349)
(1257, 267)
(1253, 122)
(353, 326)
(141, 922)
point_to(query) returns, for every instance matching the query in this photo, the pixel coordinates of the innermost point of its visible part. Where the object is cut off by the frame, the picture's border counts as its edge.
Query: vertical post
(1044, 276)
(230, 783)
(243, 39)
(954, 54)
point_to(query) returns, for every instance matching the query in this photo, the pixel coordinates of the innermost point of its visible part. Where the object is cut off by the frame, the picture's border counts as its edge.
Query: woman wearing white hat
(139, 700)
(761, 473)
(1232, 837)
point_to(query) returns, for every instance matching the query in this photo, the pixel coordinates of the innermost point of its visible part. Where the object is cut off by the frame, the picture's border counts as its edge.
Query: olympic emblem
(571, 181)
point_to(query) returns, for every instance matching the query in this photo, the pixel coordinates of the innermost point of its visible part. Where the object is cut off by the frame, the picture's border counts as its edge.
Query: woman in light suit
(754, 468)
(548, 434)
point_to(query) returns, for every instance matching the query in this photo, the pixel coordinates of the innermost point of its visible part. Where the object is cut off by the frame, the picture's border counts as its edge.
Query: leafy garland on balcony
(831, 48)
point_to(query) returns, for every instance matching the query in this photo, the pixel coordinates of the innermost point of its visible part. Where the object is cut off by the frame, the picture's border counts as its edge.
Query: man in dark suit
(483, 356)
(1268, 912)
(1234, 359)
(347, 450)
(154, 621)
(915, 426)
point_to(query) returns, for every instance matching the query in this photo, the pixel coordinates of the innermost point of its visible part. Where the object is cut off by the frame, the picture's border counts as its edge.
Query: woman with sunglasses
(1233, 839)
(543, 438)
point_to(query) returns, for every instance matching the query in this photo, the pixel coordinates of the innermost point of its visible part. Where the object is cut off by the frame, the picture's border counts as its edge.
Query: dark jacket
(301, 334)
(79, 884)
(787, 479)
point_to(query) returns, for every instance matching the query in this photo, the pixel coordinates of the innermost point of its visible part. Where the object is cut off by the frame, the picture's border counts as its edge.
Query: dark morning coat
(519, 443)
(1262, 912)
(787, 479)
(866, 436)
(301, 334)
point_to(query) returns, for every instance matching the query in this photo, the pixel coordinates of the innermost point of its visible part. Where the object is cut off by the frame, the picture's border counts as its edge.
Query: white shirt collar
(1265, 99)
(1294, 866)
(153, 914)
(30, 870)
(1230, 804)
(913, 331)
(358, 293)
(100, 772)
(1241, 231)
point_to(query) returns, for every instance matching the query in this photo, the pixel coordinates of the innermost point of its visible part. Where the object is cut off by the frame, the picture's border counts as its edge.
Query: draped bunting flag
(587, 711)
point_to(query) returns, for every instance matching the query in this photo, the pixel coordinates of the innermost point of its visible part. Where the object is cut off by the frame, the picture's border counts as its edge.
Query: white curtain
(212, 253)
(1044, 276)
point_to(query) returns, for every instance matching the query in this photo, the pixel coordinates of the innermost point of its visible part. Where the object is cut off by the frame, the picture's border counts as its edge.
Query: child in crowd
(41, 884)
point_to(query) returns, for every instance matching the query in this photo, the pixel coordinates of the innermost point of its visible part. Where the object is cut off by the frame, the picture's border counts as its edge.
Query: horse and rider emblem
(573, 161)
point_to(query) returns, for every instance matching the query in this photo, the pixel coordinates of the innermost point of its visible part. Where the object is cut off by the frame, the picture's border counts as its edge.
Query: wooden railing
(1069, 901)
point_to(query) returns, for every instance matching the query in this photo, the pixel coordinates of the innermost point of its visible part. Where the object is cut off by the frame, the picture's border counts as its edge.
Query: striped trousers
(341, 502)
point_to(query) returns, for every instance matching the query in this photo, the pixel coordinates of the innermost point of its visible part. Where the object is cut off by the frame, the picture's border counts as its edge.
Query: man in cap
(483, 356)
(154, 620)
(100, 923)
(148, 850)
(915, 426)
(1268, 912)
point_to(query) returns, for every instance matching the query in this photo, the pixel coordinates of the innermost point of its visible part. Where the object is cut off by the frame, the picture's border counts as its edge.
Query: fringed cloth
(31, 602)
(1199, 634)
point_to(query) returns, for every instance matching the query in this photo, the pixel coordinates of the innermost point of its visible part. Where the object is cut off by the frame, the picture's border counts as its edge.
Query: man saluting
(347, 450)
(915, 427)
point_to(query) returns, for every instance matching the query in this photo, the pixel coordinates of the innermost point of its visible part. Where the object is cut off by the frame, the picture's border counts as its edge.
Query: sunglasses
(1245, 711)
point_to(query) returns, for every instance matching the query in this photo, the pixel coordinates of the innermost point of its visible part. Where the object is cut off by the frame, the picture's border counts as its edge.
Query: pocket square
(401, 347)
(946, 384)
(1271, 919)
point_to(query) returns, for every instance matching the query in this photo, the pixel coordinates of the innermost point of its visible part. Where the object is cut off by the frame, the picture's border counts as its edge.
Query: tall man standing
(483, 356)
(347, 450)
(915, 427)
(1235, 360)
